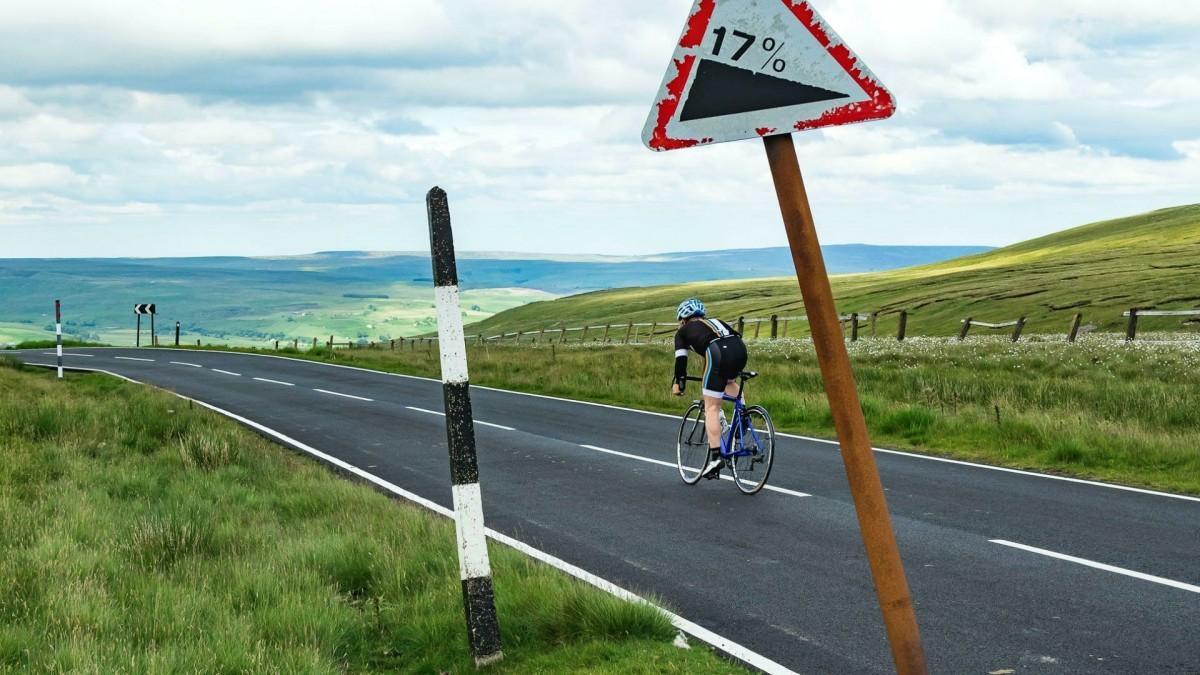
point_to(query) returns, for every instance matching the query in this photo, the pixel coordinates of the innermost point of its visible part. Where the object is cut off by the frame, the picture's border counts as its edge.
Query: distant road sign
(751, 68)
(143, 309)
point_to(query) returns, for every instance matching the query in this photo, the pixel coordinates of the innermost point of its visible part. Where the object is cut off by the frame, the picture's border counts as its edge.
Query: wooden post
(786, 325)
(1016, 336)
(854, 327)
(741, 325)
(757, 327)
(542, 333)
(636, 331)
(628, 330)
(197, 342)
(1131, 329)
(277, 345)
(870, 502)
(962, 334)
(903, 329)
(583, 338)
(604, 339)
(653, 327)
(774, 326)
(314, 343)
(873, 316)
(517, 337)
(562, 335)
(331, 342)
(1073, 332)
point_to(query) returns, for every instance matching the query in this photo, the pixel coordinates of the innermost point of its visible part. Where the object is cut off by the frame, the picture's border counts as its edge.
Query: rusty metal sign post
(768, 68)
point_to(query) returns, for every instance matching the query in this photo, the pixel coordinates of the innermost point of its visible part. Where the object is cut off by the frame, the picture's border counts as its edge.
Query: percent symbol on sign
(769, 44)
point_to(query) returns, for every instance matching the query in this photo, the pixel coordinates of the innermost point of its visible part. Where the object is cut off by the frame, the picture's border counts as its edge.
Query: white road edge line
(697, 631)
(442, 414)
(648, 460)
(68, 354)
(912, 455)
(132, 358)
(226, 372)
(1100, 566)
(334, 393)
(263, 379)
(184, 363)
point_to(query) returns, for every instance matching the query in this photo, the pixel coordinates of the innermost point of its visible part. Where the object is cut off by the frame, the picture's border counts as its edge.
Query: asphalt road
(1009, 571)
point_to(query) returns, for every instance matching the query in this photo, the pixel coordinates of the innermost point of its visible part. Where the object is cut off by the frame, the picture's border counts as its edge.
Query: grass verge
(139, 534)
(1098, 409)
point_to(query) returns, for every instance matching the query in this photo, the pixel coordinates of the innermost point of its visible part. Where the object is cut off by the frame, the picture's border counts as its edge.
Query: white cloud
(246, 120)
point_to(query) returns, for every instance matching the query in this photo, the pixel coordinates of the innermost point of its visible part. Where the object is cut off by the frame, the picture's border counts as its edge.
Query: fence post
(605, 338)
(962, 335)
(277, 345)
(628, 330)
(786, 326)
(873, 316)
(741, 325)
(636, 331)
(774, 326)
(314, 342)
(176, 333)
(542, 333)
(1017, 331)
(653, 327)
(562, 335)
(1074, 330)
(331, 342)
(757, 328)
(517, 337)
(197, 342)
(479, 603)
(585, 332)
(854, 327)
(903, 329)
(1131, 329)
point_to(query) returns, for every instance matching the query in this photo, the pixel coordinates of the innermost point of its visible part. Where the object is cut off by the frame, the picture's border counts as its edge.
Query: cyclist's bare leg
(712, 420)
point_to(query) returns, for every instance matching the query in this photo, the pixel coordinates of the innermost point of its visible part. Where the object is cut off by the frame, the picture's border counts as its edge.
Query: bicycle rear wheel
(756, 438)
(691, 451)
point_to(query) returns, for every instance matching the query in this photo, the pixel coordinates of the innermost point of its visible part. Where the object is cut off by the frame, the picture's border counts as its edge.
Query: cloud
(328, 122)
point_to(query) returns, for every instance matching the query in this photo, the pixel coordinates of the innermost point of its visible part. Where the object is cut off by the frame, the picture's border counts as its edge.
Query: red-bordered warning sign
(751, 68)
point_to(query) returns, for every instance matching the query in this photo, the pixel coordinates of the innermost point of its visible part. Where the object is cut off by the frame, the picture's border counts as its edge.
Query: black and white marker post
(483, 628)
(58, 334)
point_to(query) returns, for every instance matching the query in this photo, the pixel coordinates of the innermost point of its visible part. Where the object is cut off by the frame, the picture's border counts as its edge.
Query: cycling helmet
(689, 308)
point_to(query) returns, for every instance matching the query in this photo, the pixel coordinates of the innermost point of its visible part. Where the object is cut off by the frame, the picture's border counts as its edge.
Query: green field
(1099, 409)
(140, 534)
(1101, 270)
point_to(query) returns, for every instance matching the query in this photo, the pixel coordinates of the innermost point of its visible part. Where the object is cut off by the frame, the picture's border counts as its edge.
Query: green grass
(138, 534)
(1101, 270)
(1098, 409)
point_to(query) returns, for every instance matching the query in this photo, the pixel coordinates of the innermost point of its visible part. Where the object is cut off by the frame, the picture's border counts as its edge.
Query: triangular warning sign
(750, 68)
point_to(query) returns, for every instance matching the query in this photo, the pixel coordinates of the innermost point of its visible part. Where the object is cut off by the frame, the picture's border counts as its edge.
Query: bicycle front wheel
(754, 450)
(691, 452)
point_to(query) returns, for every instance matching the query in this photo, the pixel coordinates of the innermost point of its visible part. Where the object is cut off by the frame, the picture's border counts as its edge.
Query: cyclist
(725, 357)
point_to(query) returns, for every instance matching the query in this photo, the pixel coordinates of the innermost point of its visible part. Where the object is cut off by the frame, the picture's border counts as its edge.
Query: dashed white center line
(334, 393)
(648, 460)
(442, 414)
(226, 372)
(132, 358)
(184, 363)
(263, 379)
(1100, 566)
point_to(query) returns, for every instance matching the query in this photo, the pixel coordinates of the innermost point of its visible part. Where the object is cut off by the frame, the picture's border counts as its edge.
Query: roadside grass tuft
(141, 534)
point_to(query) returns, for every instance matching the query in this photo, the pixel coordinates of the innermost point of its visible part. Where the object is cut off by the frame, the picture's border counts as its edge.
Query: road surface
(1010, 571)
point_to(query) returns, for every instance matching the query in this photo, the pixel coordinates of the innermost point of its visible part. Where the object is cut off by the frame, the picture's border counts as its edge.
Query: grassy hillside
(353, 294)
(1100, 270)
(139, 534)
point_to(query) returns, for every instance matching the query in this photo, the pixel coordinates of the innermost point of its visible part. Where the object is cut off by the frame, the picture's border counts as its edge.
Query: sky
(274, 128)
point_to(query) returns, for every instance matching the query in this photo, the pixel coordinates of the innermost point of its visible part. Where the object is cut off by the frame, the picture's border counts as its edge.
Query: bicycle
(747, 443)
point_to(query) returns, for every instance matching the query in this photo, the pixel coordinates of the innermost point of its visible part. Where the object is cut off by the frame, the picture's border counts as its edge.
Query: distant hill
(1101, 270)
(352, 294)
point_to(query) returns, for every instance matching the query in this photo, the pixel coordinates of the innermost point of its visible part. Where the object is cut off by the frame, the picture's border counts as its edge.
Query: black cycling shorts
(724, 360)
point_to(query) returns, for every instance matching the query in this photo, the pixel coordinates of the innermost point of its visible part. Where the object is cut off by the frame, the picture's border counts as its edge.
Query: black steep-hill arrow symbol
(720, 89)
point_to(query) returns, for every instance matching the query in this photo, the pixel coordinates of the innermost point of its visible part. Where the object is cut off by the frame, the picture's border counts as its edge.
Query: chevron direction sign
(144, 309)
